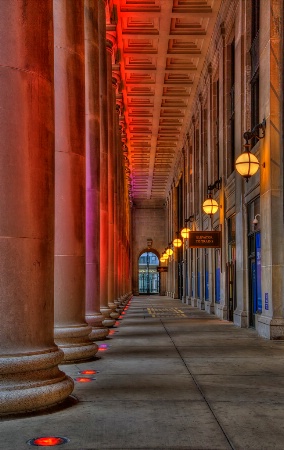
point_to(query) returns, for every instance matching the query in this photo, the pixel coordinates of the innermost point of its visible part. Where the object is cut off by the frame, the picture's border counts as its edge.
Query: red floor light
(103, 347)
(48, 441)
(83, 379)
(88, 372)
(116, 323)
(112, 332)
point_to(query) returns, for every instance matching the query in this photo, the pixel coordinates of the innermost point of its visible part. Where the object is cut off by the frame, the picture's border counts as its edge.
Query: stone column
(120, 248)
(111, 168)
(29, 374)
(93, 315)
(71, 330)
(116, 210)
(123, 222)
(104, 219)
(120, 169)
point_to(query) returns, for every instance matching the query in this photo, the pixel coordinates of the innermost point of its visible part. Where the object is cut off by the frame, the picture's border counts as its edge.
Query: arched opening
(149, 277)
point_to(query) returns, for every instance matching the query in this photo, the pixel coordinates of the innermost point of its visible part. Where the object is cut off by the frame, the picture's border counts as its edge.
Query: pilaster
(270, 323)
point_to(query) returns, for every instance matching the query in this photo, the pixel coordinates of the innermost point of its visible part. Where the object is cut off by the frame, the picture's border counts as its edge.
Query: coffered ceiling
(163, 44)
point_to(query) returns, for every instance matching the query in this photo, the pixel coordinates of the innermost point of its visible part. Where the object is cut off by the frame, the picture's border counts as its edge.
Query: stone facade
(242, 281)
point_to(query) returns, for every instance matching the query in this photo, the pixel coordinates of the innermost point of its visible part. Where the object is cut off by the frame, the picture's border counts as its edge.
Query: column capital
(114, 82)
(109, 45)
(111, 36)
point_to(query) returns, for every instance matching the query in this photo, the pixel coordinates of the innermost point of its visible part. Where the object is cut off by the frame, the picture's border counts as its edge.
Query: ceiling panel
(162, 45)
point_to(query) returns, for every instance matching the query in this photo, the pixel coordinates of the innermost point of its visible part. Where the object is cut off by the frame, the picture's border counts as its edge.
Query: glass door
(149, 277)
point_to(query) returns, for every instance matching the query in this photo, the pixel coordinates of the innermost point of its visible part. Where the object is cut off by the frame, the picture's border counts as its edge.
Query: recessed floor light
(48, 441)
(103, 347)
(84, 379)
(88, 372)
(111, 332)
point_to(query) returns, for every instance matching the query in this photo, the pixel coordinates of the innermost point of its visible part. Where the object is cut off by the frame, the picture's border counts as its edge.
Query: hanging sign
(162, 269)
(204, 239)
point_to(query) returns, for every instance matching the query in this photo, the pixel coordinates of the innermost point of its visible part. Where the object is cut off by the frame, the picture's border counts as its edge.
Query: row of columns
(63, 242)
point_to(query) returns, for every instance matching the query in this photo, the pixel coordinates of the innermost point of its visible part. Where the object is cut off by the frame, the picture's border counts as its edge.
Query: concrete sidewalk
(172, 377)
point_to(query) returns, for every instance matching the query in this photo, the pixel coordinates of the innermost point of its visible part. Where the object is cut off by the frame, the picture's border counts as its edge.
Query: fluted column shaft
(120, 218)
(104, 210)
(29, 375)
(111, 169)
(92, 106)
(117, 167)
(71, 330)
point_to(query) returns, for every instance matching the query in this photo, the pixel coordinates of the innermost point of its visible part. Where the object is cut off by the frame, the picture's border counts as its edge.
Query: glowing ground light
(111, 332)
(103, 347)
(120, 317)
(48, 441)
(84, 379)
(88, 372)
(116, 323)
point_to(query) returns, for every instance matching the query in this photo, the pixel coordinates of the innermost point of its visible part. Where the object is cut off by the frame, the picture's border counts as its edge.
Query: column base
(107, 320)
(220, 311)
(200, 304)
(123, 299)
(99, 332)
(31, 382)
(240, 318)
(209, 307)
(193, 301)
(75, 343)
(114, 314)
(270, 328)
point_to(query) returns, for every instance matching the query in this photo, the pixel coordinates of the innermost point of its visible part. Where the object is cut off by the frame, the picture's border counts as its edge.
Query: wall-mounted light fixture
(210, 206)
(177, 242)
(255, 221)
(185, 231)
(149, 242)
(169, 250)
(247, 163)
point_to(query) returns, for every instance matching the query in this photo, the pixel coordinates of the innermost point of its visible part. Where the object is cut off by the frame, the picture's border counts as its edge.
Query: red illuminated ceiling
(163, 44)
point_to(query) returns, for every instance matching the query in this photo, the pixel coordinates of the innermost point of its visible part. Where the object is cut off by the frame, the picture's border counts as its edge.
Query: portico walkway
(173, 377)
